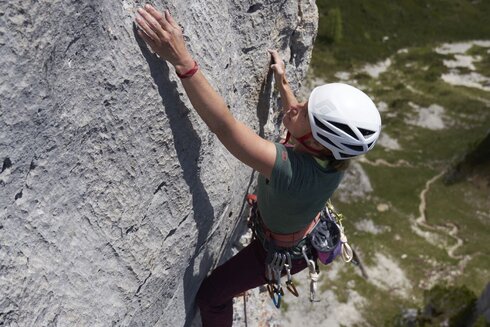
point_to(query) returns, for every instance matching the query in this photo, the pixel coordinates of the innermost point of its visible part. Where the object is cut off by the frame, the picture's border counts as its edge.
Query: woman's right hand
(278, 65)
(164, 36)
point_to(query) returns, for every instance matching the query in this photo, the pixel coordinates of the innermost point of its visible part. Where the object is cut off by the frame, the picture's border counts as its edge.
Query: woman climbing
(337, 123)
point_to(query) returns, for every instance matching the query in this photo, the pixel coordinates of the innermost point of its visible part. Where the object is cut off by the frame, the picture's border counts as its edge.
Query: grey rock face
(483, 304)
(115, 199)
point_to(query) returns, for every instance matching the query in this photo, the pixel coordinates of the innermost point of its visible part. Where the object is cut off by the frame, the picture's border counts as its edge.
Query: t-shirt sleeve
(282, 172)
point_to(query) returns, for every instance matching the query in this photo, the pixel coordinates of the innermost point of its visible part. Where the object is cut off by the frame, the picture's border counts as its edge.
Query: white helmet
(343, 119)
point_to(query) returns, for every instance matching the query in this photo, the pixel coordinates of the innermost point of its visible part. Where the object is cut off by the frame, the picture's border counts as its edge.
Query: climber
(337, 123)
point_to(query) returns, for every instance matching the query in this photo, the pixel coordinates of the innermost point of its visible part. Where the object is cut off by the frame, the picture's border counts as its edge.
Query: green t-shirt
(297, 191)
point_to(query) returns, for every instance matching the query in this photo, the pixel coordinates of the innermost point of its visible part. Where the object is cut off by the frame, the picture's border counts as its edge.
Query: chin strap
(302, 141)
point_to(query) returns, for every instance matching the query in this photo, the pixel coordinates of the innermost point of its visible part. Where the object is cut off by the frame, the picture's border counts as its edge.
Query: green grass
(406, 23)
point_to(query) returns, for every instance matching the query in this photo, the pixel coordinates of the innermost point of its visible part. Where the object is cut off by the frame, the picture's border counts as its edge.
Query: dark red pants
(246, 270)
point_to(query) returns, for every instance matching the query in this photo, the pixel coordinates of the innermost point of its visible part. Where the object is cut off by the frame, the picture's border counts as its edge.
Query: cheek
(305, 123)
(285, 120)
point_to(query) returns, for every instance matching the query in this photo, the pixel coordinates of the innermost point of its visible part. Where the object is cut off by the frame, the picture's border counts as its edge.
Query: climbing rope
(245, 307)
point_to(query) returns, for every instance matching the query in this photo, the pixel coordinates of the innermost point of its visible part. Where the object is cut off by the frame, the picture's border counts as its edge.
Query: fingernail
(140, 10)
(147, 6)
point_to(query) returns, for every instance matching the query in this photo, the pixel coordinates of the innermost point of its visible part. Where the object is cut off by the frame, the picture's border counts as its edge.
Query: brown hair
(340, 165)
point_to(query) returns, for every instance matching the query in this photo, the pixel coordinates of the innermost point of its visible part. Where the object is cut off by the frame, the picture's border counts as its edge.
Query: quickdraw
(277, 261)
(314, 273)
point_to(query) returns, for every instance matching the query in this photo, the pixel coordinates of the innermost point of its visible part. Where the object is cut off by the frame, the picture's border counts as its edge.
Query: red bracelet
(190, 72)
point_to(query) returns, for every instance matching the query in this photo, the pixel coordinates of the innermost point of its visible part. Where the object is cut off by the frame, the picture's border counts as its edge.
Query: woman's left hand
(164, 36)
(278, 65)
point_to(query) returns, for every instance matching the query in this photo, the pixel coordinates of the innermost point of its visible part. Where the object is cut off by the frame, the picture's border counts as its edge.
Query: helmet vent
(327, 140)
(366, 132)
(354, 147)
(344, 155)
(322, 126)
(344, 128)
(370, 144)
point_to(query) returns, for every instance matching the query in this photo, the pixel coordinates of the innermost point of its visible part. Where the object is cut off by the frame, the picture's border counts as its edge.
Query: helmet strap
(302, 141)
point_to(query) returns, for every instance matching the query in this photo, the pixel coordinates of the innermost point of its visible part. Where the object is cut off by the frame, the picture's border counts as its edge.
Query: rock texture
(115, 200)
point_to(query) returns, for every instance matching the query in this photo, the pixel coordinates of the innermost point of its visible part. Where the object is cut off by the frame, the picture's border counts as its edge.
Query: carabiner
(291, 288)
(276, 293)
(270, 290)
(269, 274)
(277, 302)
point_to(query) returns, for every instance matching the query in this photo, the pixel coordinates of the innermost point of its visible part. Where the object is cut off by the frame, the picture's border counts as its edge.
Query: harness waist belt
(287, 240)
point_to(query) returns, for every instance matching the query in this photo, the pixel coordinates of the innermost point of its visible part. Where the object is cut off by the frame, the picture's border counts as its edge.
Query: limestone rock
(115, 199)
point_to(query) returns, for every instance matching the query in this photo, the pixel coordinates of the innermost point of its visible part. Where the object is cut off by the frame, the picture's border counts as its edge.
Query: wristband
(190, 72)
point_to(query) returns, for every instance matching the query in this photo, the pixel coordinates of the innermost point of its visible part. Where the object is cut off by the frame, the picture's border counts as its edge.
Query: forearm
(210, 106)
(279, 68)
(287, 96)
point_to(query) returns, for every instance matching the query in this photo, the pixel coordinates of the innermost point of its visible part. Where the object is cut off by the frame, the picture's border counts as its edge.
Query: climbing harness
(281, 249)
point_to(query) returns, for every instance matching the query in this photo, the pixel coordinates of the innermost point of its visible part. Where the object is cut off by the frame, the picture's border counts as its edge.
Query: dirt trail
(382, 162)
(449, 228)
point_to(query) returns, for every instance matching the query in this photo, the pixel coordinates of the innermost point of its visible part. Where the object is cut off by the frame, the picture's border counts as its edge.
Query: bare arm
(287, 95)
(164, 36)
